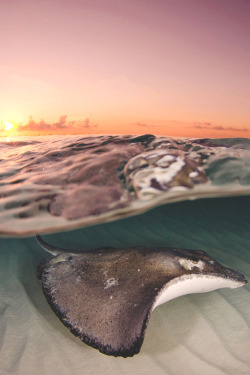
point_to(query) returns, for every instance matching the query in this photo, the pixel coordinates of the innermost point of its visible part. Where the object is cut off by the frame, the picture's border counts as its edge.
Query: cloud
(32, 125)
(61, 124)
(143, 125)
(208, 125)
(83, 124)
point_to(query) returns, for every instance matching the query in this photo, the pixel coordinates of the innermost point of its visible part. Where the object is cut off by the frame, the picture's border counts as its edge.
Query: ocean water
(88, 192)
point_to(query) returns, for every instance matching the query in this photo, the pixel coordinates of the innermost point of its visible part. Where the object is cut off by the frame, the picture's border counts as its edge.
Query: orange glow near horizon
(116, 126)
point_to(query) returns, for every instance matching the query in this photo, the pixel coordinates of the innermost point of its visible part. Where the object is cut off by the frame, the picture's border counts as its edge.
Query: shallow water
(53, 183)
(202, 333)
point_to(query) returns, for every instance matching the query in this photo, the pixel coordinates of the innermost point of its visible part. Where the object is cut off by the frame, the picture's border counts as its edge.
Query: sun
(8, 128)
(8, 125)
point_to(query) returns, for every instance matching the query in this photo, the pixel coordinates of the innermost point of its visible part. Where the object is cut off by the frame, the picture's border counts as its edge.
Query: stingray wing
(106, 297)
(104, 302)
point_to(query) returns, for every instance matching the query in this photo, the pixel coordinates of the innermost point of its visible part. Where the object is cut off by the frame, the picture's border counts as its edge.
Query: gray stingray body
(106, 296)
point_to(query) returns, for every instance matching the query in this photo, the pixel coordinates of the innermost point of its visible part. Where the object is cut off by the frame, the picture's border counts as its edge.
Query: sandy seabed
(195, 334)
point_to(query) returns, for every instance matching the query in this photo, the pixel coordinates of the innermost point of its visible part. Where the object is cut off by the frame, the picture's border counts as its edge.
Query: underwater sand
(202, 333)
(42, 181)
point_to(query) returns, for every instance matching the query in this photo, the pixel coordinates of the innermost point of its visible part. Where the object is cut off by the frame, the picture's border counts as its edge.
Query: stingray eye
(189, 264)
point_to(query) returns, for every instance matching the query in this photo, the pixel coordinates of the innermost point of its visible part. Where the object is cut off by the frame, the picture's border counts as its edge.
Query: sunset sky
(170, 67)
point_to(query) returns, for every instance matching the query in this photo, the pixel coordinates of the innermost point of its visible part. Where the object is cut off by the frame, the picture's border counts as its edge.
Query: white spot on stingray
(59, 258)
(189, 264)
(111, 282)
(138, 270)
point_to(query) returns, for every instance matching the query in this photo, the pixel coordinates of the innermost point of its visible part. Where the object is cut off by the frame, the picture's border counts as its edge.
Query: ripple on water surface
(58, 183)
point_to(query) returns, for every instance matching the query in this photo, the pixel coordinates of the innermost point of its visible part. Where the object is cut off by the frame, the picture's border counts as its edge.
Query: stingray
(106, 296)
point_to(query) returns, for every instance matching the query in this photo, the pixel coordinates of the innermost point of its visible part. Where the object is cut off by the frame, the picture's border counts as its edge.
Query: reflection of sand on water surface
(54, 184)
(207, 333)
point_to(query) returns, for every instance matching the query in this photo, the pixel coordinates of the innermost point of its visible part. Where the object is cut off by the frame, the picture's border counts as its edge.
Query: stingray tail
(54, 250)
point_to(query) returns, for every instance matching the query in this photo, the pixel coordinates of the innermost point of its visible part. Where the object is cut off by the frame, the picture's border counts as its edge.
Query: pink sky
(136, 66)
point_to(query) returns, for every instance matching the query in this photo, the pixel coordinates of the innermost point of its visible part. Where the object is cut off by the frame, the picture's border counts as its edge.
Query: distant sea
(94, 191)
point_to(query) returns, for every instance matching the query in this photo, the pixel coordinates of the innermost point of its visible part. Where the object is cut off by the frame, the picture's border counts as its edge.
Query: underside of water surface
(51, 184)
